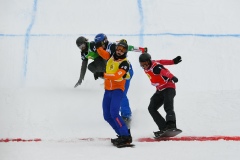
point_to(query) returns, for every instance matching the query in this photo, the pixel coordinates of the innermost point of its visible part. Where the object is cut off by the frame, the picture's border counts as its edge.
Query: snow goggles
(105, 40)
(82, 46)
(121, 49)
(144, 64)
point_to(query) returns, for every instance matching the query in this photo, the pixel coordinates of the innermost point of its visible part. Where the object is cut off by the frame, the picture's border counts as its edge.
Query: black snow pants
(159, 98)
(98, 65)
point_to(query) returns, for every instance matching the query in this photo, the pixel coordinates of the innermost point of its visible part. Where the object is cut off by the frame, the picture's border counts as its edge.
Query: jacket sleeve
(165, 62)
(83, 70)
(166, 73)
(114, 76)
(103, 53)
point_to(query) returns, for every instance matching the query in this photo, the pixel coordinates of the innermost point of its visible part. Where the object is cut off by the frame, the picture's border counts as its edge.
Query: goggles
(103, 43)
(82, 46)
(121, 49)
(105, 40)
(144, 65)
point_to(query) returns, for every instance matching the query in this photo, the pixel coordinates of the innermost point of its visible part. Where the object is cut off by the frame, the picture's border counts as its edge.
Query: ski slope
(42, 115)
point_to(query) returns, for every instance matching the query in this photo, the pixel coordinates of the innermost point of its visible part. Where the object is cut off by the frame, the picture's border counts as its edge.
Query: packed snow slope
(40, 64)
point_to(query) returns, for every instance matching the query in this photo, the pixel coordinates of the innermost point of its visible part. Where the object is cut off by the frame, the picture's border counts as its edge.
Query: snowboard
(124, 145)
(169, 133)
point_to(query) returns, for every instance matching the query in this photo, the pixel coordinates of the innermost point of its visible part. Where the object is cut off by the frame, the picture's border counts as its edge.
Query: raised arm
(176, 60)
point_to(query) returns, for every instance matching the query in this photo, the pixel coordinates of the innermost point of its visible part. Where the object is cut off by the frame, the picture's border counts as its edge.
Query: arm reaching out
(82, 72)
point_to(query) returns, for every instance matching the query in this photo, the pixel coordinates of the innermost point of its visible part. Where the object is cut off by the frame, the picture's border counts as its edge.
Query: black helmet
(123, 40)
(124, 44)
(81, 40)
(145, 57)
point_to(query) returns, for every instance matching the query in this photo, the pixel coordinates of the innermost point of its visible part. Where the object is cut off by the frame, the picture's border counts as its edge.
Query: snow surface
(40, 63)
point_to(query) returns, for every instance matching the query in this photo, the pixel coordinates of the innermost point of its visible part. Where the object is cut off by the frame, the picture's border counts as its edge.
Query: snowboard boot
(114, 140)
(170, 125)
(123, 140)
(158, 133)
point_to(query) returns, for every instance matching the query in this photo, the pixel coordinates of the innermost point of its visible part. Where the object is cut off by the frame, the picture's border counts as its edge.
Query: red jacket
(160, 76)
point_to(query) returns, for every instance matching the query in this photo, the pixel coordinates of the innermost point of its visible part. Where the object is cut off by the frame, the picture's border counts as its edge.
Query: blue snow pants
(111, 106)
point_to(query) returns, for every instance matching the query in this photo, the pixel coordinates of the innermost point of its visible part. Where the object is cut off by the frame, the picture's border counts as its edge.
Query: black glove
(98, 74)
(78, 83)
(174, 79)
(82, 72)
(145, 50)
(177, 60)
(98, 44)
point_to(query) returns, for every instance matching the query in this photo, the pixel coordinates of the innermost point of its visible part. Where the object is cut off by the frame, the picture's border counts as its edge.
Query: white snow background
(40, 64)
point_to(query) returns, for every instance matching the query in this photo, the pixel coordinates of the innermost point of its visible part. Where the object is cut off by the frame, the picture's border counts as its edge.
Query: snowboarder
(114, 84)
(88, 51)
(106, 49)
(164, 81)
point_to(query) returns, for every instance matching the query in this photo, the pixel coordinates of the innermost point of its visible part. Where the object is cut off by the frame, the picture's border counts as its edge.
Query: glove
(98, 74)
(82, 72)
(177, 60)
(174, 79)
(98, 44)
(144, 50)
(78, 83)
